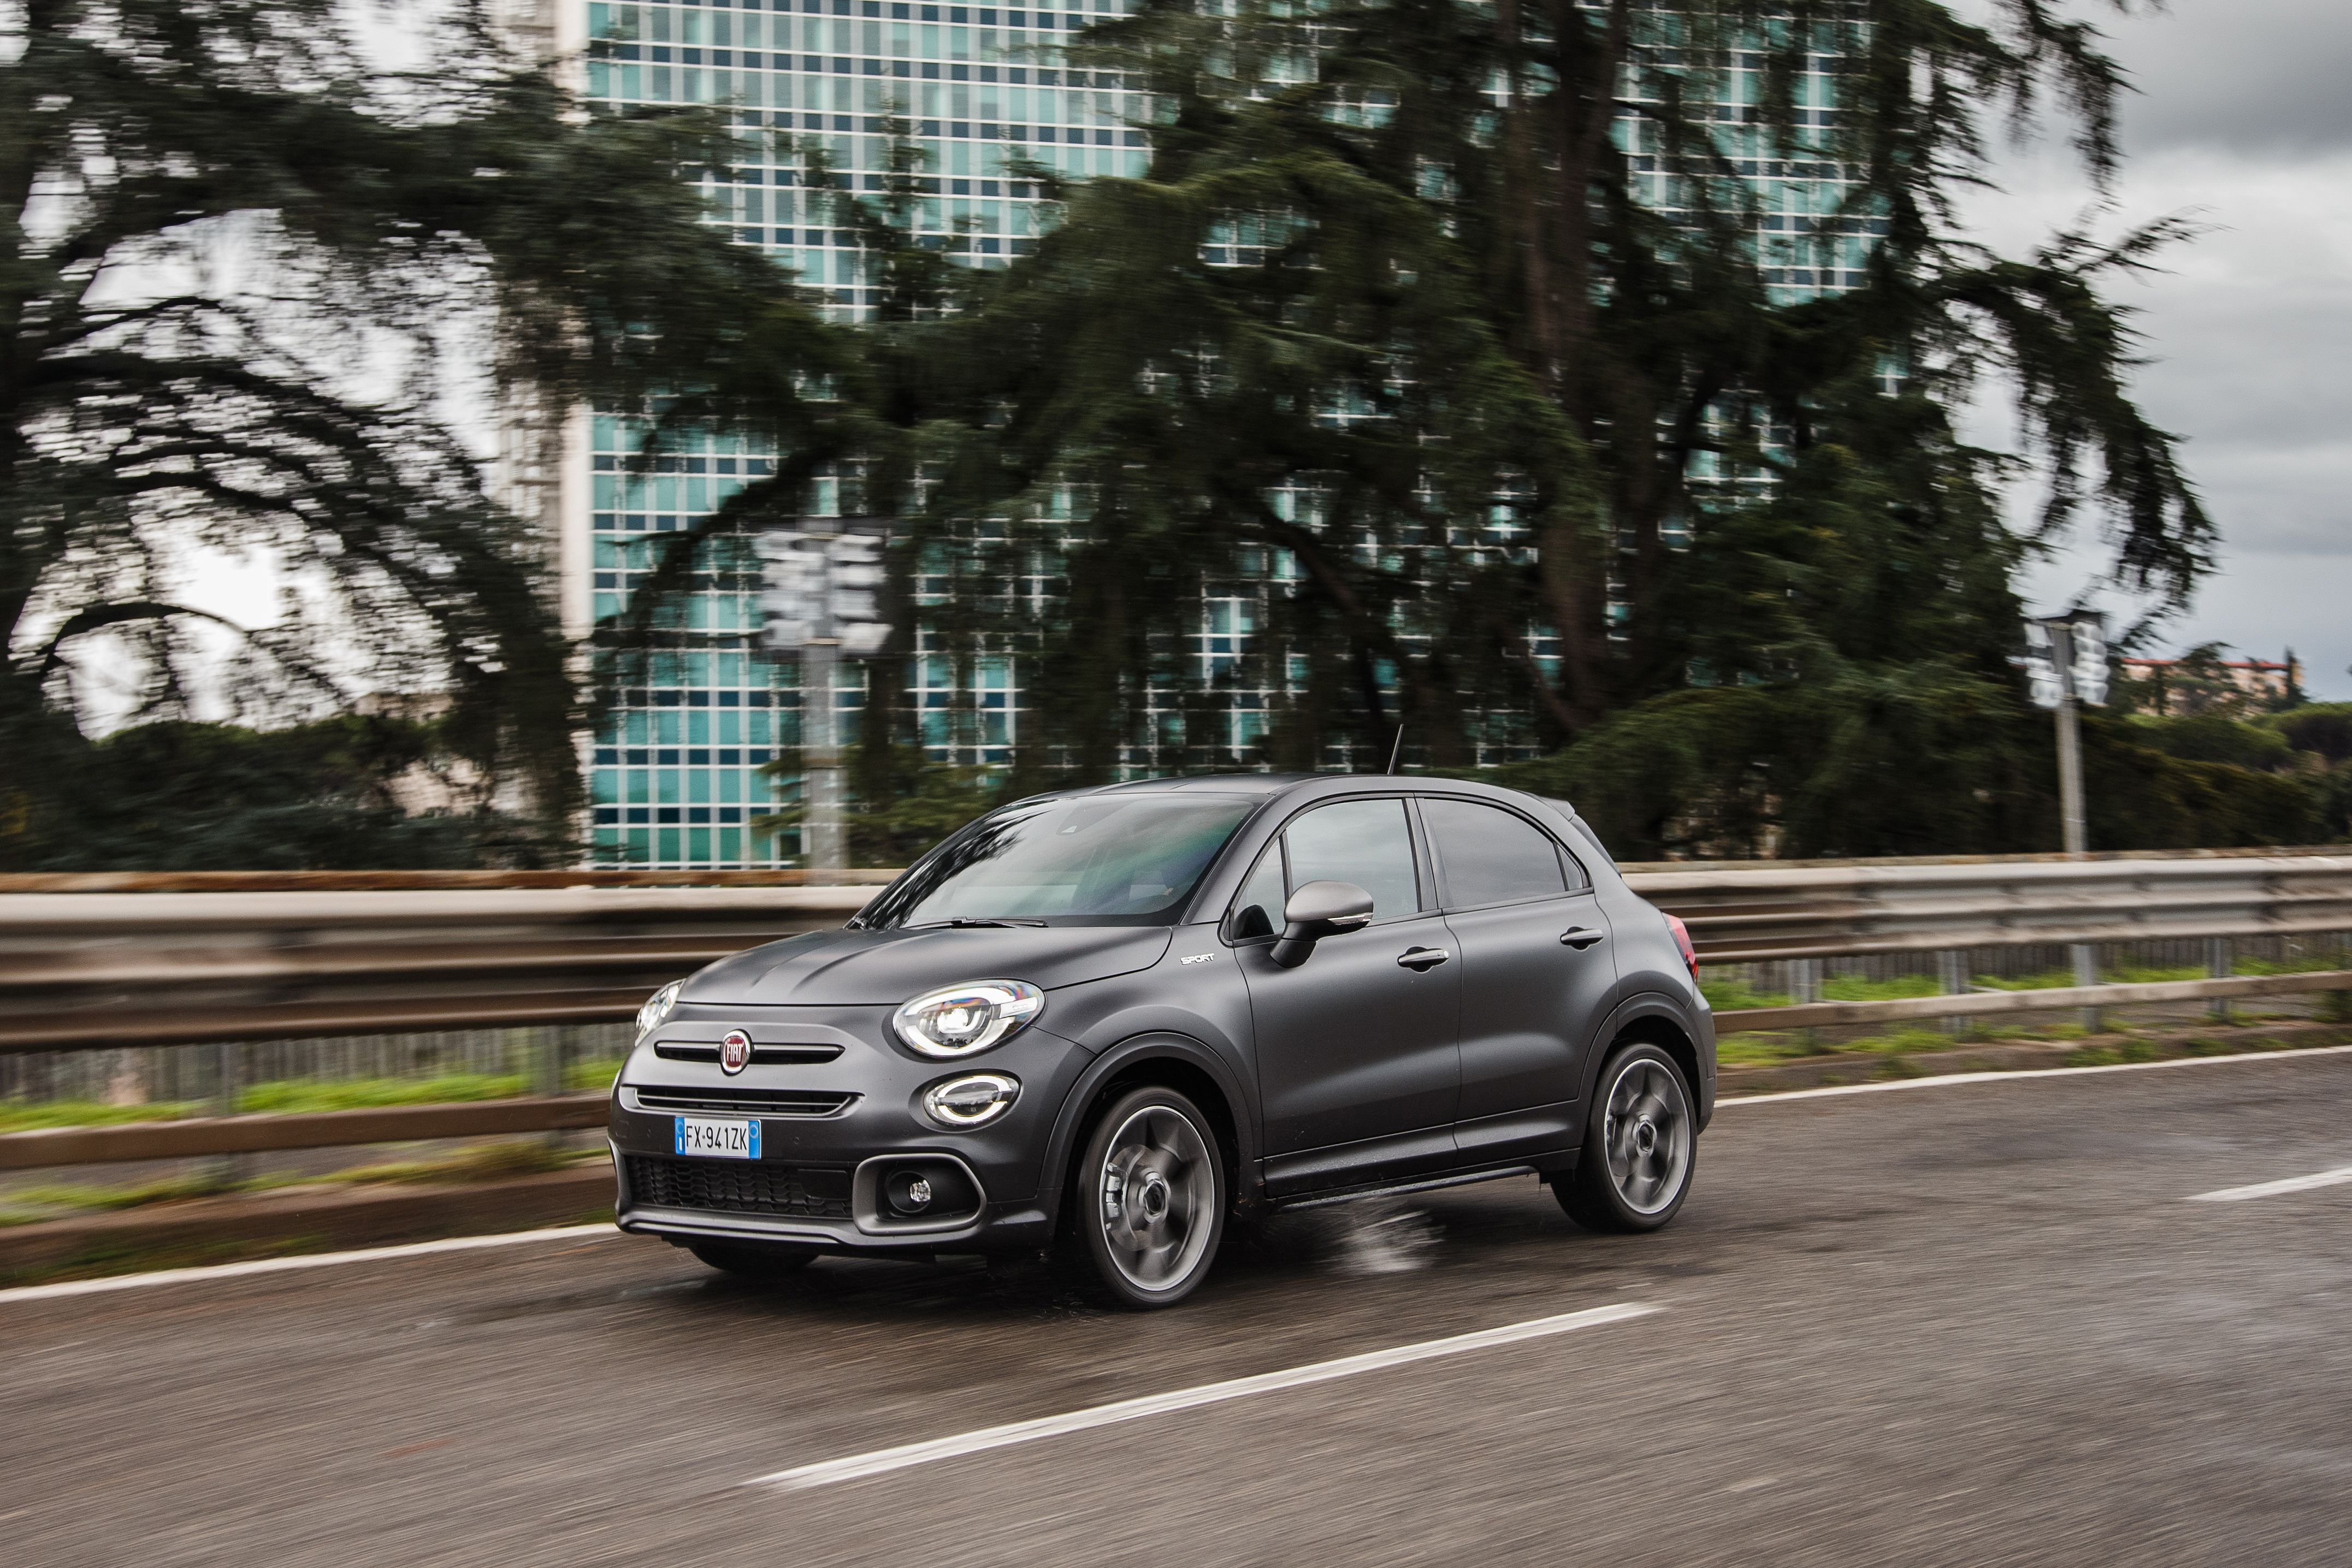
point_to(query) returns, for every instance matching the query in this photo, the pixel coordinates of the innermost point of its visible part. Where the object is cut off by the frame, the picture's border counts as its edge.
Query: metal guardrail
(105, 971)
(182, 958)
(83, 970)
(200, 1135)
(1740, 915)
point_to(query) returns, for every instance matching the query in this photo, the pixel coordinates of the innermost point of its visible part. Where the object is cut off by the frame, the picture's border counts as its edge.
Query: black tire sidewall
(1594, 1200)
(1086, 1198)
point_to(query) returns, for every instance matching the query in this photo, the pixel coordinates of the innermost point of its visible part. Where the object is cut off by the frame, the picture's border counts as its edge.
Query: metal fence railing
(124, 962)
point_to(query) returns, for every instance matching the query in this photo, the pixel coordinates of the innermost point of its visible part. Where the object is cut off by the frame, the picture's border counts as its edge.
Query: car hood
(885, 968)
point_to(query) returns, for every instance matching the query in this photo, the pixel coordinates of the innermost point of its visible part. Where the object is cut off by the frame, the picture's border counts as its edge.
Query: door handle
(1580, 938)
(1421, 959)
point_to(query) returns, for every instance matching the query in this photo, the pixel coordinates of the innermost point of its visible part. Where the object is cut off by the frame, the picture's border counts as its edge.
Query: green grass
(1854, 989)
(1734, 994)
(2310, 965)
(51, 1200)
(22, 1118)
(2109, 1055)
(476, 1162)
(1760, 1048)
(288, 1095)
(488, 1161)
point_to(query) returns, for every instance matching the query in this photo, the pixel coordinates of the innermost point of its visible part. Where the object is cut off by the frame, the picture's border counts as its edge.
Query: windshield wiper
(965, 921)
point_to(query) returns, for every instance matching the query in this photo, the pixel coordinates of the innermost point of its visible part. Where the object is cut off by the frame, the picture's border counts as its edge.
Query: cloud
(2243, 122)
(2252, 77)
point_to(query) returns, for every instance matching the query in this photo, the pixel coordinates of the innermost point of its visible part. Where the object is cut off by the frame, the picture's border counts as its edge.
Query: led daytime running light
(973, 1101)
(963, 1020)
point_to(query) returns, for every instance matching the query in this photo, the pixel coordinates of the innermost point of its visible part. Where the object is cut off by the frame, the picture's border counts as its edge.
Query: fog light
(910, 1193)
(971, 1101)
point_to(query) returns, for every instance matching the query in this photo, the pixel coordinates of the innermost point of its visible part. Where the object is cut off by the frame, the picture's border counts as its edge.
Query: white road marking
(2273, 1188)
(308, 1260)
(883, 1461)
(1950, 1078)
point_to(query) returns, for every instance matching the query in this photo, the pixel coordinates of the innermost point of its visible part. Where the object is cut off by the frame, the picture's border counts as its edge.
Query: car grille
(761, 1055)
(739, 1187)
(727, 1102)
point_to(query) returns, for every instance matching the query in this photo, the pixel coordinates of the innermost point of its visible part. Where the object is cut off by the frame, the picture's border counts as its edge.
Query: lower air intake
(739, 1187)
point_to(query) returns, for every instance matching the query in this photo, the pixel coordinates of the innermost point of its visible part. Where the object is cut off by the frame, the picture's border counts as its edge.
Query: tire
(1641, 1144)
(754, 1260)
(1148, 1199)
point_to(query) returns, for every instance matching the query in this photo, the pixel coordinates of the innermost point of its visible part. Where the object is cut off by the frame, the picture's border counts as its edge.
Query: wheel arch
(1169, 1060)
(1652, 1019)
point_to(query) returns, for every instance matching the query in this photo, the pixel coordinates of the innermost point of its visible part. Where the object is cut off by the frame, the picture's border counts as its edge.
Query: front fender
(1069, 1123)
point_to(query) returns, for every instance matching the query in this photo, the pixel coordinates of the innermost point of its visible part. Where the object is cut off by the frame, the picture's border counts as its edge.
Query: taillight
(1683, 941)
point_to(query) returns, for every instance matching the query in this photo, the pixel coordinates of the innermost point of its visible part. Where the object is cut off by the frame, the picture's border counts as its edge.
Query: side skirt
(1425, 1184)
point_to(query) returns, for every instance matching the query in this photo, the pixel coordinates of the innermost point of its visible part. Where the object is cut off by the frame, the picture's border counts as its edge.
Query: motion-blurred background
(1650, 404)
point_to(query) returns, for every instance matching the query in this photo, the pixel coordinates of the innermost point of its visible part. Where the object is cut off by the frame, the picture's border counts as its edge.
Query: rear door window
(1487, 856)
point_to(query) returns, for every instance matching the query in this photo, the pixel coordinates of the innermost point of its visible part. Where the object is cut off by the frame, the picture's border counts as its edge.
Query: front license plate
(713, 1138)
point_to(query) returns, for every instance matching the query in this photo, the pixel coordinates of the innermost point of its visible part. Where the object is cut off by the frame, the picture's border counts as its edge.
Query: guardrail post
(1952, 973)
(1805, 986)
(2086, 973)
(228, 1083)
(2336, 1006)
(2220, 959)
(547, 1066)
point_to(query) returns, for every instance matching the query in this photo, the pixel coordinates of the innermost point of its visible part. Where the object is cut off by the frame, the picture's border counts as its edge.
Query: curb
(214, 1228)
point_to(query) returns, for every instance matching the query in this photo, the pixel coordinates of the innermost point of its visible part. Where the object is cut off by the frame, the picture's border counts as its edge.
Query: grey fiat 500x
(1110, 1019)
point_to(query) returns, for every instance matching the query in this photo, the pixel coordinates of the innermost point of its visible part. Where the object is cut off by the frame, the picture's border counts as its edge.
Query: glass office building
(675, 777)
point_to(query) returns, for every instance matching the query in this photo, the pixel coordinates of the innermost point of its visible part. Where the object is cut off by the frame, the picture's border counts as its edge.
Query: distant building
(2177, 687)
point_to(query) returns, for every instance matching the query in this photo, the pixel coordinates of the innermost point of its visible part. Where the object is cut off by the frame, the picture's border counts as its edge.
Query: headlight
(657, 1007)
(974, 1100)
(965, 1019)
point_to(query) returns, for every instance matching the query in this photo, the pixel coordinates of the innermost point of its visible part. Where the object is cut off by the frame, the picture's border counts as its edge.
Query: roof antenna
(1396, 749)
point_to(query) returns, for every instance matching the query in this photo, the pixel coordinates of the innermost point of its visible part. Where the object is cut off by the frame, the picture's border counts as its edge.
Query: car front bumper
(823, 1179)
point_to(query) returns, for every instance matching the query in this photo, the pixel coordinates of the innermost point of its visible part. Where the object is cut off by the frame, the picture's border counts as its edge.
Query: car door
(1358, 1070)
(1536, 975)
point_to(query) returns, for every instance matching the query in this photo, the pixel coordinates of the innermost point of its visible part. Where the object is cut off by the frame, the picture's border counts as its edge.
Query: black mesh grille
(739, 1187)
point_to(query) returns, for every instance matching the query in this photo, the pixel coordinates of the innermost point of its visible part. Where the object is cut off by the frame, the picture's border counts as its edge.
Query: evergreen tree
(1510, 404)
(243, 268)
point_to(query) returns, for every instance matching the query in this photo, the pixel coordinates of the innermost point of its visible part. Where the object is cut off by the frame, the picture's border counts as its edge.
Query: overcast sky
(2243, 117)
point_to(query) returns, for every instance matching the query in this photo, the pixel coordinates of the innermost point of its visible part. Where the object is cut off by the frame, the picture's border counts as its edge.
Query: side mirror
(1320, 909)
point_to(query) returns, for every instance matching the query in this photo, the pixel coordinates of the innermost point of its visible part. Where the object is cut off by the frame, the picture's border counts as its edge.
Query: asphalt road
(1974, 1324)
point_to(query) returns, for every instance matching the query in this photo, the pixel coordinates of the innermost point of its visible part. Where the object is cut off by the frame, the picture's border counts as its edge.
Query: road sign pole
(820, 827)
(2075, 830)
(2070, 779)
(823, 577)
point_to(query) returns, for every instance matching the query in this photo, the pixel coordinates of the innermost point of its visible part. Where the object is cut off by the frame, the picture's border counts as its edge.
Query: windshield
(1096, 859)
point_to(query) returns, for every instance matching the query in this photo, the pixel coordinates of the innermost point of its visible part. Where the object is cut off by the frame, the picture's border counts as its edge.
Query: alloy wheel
(1647, 1136)
(1156, 1197)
